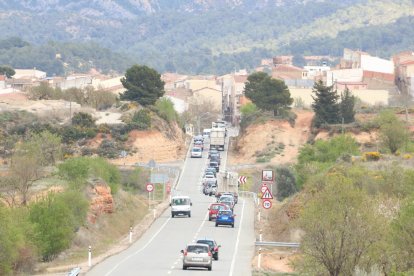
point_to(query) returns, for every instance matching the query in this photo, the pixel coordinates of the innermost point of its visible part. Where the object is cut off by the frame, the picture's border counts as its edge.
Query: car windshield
(213, 164)
(209, 243)
(181, 201)
(196, 149)
(197, 249)
(217, 207)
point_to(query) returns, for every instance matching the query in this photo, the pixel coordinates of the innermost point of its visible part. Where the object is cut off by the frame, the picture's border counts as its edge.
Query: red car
(215, 208)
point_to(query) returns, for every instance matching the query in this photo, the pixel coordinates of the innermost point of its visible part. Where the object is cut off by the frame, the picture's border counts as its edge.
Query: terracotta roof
(2, 78)
(407, 62)
(285, 67)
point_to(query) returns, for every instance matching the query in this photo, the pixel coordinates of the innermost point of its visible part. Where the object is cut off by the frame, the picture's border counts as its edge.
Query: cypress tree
(325, 104)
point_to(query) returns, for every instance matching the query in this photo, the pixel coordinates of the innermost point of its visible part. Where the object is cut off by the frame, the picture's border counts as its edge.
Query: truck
(227, 183)
(217, 138)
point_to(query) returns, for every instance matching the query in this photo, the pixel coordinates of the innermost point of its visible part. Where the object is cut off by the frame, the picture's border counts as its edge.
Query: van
(206, 133)
(181, 205)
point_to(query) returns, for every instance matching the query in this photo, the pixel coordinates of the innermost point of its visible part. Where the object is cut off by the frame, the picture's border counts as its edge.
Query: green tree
(248, 109)
(343, 230)
(347, 106)
(7, 71)
(325, 104)
(393, 132)
(143, 84)
(49, 147)
(267, 93)
(44, 92)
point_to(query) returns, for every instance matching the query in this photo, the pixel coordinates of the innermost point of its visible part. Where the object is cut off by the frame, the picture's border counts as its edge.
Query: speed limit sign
(267, 204)
(150, 187)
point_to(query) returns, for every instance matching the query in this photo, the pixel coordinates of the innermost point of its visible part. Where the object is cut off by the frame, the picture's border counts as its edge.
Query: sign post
(150, 188)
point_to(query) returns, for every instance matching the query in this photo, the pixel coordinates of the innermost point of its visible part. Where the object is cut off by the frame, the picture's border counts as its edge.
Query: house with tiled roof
(404, 72)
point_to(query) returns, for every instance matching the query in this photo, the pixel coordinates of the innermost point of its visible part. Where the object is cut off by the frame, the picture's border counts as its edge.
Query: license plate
(197, 259)
(226, 218)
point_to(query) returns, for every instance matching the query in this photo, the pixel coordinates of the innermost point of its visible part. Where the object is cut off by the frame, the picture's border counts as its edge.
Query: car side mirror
(170, 204)
(191, 204)
(219, 246)
(182, 251)
(234, 215)
(208, 208)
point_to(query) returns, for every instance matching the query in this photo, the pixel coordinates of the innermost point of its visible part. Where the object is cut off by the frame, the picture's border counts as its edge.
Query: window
(197, 249)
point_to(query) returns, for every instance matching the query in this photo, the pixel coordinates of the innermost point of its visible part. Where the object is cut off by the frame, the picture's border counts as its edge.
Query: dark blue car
(225, 217)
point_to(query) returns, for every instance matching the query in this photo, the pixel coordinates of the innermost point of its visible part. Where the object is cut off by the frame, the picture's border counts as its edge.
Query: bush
(72, 134)
(55, 221)
(372, 156)
(165, 109)
(82, 119)
(109, 149)
(286, 182)
(141, 120)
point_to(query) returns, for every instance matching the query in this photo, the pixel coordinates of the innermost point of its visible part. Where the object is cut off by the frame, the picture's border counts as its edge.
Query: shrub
(372, 156)
(141, 120)
(83, 120)
(55, 221)
(165, 109)
(286, 182)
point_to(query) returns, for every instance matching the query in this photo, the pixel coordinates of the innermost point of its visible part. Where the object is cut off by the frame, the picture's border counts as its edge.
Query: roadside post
(130, 234)
(90, 256)
(259, 259)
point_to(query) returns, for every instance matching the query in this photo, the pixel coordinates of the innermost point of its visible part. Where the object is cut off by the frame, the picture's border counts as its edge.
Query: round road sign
(150, 187)
(263, 188)
(267, 204)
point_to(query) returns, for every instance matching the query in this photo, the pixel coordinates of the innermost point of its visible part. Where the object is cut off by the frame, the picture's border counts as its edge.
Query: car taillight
(215, 248)
(209, 253)
(185, 253)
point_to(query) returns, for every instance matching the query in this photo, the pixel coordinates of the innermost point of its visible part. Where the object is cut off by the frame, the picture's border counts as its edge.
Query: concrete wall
(376, 64)
(344, 75)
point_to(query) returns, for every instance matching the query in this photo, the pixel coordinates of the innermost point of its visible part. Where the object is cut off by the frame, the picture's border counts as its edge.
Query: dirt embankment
(260, 138)
(160, 146)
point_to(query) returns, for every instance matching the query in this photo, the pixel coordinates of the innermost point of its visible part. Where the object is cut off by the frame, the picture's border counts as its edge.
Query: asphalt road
(157, 252)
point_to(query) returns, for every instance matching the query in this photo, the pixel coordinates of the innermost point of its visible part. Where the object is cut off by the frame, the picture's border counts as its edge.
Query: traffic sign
(242, 179)
(263, 189)
(150, 187)
(267, 204)
(267, 194)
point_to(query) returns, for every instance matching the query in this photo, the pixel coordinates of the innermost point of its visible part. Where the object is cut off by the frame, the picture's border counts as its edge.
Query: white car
(181, 205)
(209, 177)
(196, 152)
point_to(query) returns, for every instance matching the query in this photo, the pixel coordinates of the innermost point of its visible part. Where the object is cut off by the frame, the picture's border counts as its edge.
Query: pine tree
(325, 104)
(347, 106)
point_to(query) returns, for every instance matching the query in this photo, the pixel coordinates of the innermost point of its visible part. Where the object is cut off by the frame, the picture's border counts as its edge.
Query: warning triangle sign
(267, 194)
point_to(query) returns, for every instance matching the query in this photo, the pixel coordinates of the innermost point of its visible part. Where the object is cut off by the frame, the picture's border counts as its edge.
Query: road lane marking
(233, 261)
(138, 251)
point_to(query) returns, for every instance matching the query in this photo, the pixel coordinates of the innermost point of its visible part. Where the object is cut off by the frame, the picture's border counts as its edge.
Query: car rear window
(216, 207)
(181, 201)
(196, 149)
(197, 249)
(213, 164)
(226, 213)
(209, 243)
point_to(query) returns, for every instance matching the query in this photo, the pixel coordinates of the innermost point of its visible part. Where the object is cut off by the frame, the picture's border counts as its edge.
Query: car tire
(232, 226)
(189, 214)
(216, 258)
(184, 267)
(172, 215)
(216, 224)
(209, 218)
(209, 268)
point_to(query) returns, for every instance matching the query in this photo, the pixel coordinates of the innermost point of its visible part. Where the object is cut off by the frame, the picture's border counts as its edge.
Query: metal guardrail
(277, 244)
(75, 271)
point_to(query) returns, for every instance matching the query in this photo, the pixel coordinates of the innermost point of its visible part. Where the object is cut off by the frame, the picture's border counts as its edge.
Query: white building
(375, 64)
(344, 76)
(29, 74)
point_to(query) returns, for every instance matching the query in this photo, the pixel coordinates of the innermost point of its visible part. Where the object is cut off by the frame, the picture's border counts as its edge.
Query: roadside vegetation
(51, 174)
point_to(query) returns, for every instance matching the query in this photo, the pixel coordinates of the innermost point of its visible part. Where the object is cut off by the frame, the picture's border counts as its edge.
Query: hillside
(203, 36)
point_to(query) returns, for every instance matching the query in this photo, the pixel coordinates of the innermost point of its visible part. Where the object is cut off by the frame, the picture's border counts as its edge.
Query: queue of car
(203, 251)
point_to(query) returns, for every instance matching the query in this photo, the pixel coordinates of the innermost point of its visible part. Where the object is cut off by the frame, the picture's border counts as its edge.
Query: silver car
(197, 255)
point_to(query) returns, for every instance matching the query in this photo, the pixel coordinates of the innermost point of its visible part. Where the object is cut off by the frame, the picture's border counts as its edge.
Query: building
(233, 95)
(32, 74)
(79, 81)
(359, 70)
(404, 72)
